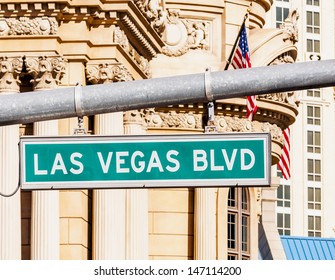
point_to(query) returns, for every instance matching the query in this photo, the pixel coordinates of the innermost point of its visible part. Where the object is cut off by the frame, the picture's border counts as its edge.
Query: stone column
(205, 224)
(137, 241)
(109, 206)
(45, 231)
(10, 217)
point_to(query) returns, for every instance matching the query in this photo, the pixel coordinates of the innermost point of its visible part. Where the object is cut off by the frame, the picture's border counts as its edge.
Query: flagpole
(236, 42)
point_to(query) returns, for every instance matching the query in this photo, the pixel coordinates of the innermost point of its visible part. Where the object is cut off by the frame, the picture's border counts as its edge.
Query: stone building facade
(50, 44)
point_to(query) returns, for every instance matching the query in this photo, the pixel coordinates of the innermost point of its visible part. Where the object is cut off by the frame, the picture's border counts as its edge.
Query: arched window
(238, 224)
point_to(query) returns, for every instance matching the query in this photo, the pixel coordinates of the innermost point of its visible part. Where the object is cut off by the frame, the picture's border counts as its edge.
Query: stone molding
(105, 73)
(47, 71)
(173, 119)
(120, 37)
(28, 26)
(184, 34)
(149, 50)
(154, 12)
(11, 68)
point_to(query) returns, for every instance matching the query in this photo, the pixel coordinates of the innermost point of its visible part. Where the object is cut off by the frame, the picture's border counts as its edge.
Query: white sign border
(123, 184)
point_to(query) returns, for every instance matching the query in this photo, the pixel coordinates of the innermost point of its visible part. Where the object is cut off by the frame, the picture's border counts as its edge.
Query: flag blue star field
(241, 59)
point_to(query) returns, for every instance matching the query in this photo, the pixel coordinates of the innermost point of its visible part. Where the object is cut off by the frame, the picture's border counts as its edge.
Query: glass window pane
(279, 14)
(310, 166)
(309, 111)
(280, 192)
(309, 2)
(317, 112)
(287, 220)
(310, 137)
(318, 166)
(318, 195)
(317, 138)
(309, 18)
(310, 194)
(286, 11)
(244, 199)
(287, 192)
(232, 197)
(280, 223)
(316, 2)
(318, 223)
(316, 19)
(317, 46)
(311, 222)
(309, 45)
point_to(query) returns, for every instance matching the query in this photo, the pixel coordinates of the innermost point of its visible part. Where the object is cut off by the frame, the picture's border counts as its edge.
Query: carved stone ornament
(172, 119)
(291, 98)
(290, 27)
(10, 74)
(46, 71)
(120, 37)
(232, 124)
(181, 35)
(133, 117)
(107, 73)
(28, 26)
(154, 12)
(275, 130)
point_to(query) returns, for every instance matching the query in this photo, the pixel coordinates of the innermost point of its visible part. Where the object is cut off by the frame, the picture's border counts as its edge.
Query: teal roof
(308, 248)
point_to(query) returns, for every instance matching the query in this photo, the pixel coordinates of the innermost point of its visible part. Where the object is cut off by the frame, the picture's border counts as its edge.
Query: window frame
(238, 207)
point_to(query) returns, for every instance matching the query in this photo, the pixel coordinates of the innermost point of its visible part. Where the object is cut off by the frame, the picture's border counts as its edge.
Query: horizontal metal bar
(97, 99)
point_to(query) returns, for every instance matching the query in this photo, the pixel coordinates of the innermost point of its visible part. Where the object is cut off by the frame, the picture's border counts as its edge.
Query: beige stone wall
(171, 220)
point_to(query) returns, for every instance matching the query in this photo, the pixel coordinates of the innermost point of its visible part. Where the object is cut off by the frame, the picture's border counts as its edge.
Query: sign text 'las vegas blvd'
(145, 161)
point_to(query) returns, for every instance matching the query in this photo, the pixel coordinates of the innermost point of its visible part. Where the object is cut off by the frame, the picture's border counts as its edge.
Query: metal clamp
(79, 111)
(77, 99)
(208, 85)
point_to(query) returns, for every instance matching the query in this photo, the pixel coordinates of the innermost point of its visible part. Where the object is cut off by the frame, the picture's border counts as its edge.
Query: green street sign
(95, 162)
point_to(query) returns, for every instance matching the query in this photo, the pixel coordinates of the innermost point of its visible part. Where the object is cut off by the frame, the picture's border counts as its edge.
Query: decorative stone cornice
(154, 12)
(120, 37)
(10, 74)
(46, 71)
(138, 35)
(173, 119)
(105, 73)
(28, 26)
(185, 34)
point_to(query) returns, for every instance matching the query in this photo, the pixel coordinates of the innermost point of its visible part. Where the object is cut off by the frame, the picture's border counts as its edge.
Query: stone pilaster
(205, 224)
(45, 230)
(137, 201)
(10, 217)
(109, 206)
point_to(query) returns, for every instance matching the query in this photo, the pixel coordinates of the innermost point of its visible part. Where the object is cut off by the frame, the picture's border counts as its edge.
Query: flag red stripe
(284, 163)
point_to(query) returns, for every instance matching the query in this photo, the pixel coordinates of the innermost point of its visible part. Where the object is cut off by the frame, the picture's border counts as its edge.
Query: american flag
(284, 162)
(241, 59)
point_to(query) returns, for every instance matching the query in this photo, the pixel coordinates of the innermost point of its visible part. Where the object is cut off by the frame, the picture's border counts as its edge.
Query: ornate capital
(105, 73)
(46, 71)
(28, 26)
(10, 73)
